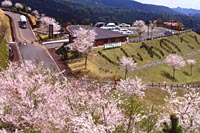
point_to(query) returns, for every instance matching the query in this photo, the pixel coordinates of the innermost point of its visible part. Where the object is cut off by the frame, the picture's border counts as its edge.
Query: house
(173, 25)
(104, 37)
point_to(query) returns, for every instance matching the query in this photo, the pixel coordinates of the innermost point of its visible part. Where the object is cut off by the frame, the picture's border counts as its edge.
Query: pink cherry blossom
(19, 5)
(83, 42)
(46, 21)
(191, 63)
(6, 3)
(36, 13)
(127, 64)
(140, 27)
(132, 86)
(185, 107)
(175, 61)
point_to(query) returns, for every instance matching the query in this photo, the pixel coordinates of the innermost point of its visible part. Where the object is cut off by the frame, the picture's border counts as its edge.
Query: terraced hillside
(104, 64)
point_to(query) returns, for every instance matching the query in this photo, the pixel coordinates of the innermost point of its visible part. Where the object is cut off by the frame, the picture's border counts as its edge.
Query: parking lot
(157, 32)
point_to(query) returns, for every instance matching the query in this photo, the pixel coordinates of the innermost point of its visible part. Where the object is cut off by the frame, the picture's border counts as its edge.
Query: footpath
(162, 61)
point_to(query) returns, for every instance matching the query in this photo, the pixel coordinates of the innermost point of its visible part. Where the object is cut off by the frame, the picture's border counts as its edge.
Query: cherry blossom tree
(33, 98)
(29, 8)
(127, 64)
(19, 6)
(36, 13)
(175, 61)
(132, 90)
(185, 107)
(152, 26)
(83, 42)
(46, 21)
(140, 27)
(132, 87)
(191, 63)
(6, 3)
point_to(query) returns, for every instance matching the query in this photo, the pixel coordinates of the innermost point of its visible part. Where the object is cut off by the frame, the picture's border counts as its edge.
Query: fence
(173, 86)
(154, 37)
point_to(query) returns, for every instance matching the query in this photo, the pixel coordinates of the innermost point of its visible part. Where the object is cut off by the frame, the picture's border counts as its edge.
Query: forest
(89, 12)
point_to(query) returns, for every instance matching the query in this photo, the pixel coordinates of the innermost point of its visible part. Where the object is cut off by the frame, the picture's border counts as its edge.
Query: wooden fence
(173, 85)
(176, 33)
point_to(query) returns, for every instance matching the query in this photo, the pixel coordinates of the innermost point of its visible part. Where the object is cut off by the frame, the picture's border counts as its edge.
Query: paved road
(32, 50)
(158, 31)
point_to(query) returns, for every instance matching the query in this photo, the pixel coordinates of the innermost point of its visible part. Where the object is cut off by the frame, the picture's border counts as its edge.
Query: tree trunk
(174, 72)
(191, 69)
(126, 71)
(104, 117)
(130, 121)
(151, 34)
(86, 57)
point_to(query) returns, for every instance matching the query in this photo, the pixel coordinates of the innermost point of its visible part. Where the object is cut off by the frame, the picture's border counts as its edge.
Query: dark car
(168, 32)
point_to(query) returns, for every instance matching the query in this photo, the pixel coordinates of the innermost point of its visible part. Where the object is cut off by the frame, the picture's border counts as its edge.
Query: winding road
(32, 50)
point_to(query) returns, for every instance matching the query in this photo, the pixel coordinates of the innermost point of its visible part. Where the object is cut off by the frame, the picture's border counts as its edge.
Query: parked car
(116, 28)
(111, 25)
(126, 31)
(168, 32)
(105, 27)
(113, 28)
(124, 25)
(100, 24)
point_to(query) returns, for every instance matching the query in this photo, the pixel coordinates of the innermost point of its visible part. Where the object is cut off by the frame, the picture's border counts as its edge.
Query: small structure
(173, 25)
(105, 38)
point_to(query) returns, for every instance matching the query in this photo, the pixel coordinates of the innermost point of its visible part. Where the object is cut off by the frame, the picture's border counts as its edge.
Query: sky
(195, 4)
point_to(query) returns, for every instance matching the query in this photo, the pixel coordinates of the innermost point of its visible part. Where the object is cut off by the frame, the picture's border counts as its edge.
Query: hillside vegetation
(92, 11)
(4, 27)
(104, 64)
(3, 54)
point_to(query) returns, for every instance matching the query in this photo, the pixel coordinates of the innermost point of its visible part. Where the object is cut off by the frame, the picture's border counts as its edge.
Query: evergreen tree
(174, 128)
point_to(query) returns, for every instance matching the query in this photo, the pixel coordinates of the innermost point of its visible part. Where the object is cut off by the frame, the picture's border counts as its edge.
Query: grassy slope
(3, 45)
(5, 20)
(101, 68)
(3, 54)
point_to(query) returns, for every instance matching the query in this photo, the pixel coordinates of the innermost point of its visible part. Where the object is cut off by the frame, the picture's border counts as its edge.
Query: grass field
(99, 67)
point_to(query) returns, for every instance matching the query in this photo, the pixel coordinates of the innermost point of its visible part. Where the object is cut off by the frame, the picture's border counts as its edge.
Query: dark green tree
(62, 51)
(174, 127)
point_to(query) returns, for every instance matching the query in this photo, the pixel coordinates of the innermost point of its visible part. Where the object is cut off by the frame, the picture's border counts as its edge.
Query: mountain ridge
(92, 11)
(131, 4)
(187, 11)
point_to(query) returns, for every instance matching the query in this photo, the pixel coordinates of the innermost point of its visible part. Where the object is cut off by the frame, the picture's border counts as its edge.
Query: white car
(126, 32)
(111, 25)
(113, 28)
(124, 25)
(116, 28)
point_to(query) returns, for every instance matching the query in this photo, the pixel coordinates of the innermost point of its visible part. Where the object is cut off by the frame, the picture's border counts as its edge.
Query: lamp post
(171, 24)
(148, 22)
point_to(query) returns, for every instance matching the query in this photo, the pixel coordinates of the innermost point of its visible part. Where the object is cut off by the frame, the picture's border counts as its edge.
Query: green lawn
(100, 68)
